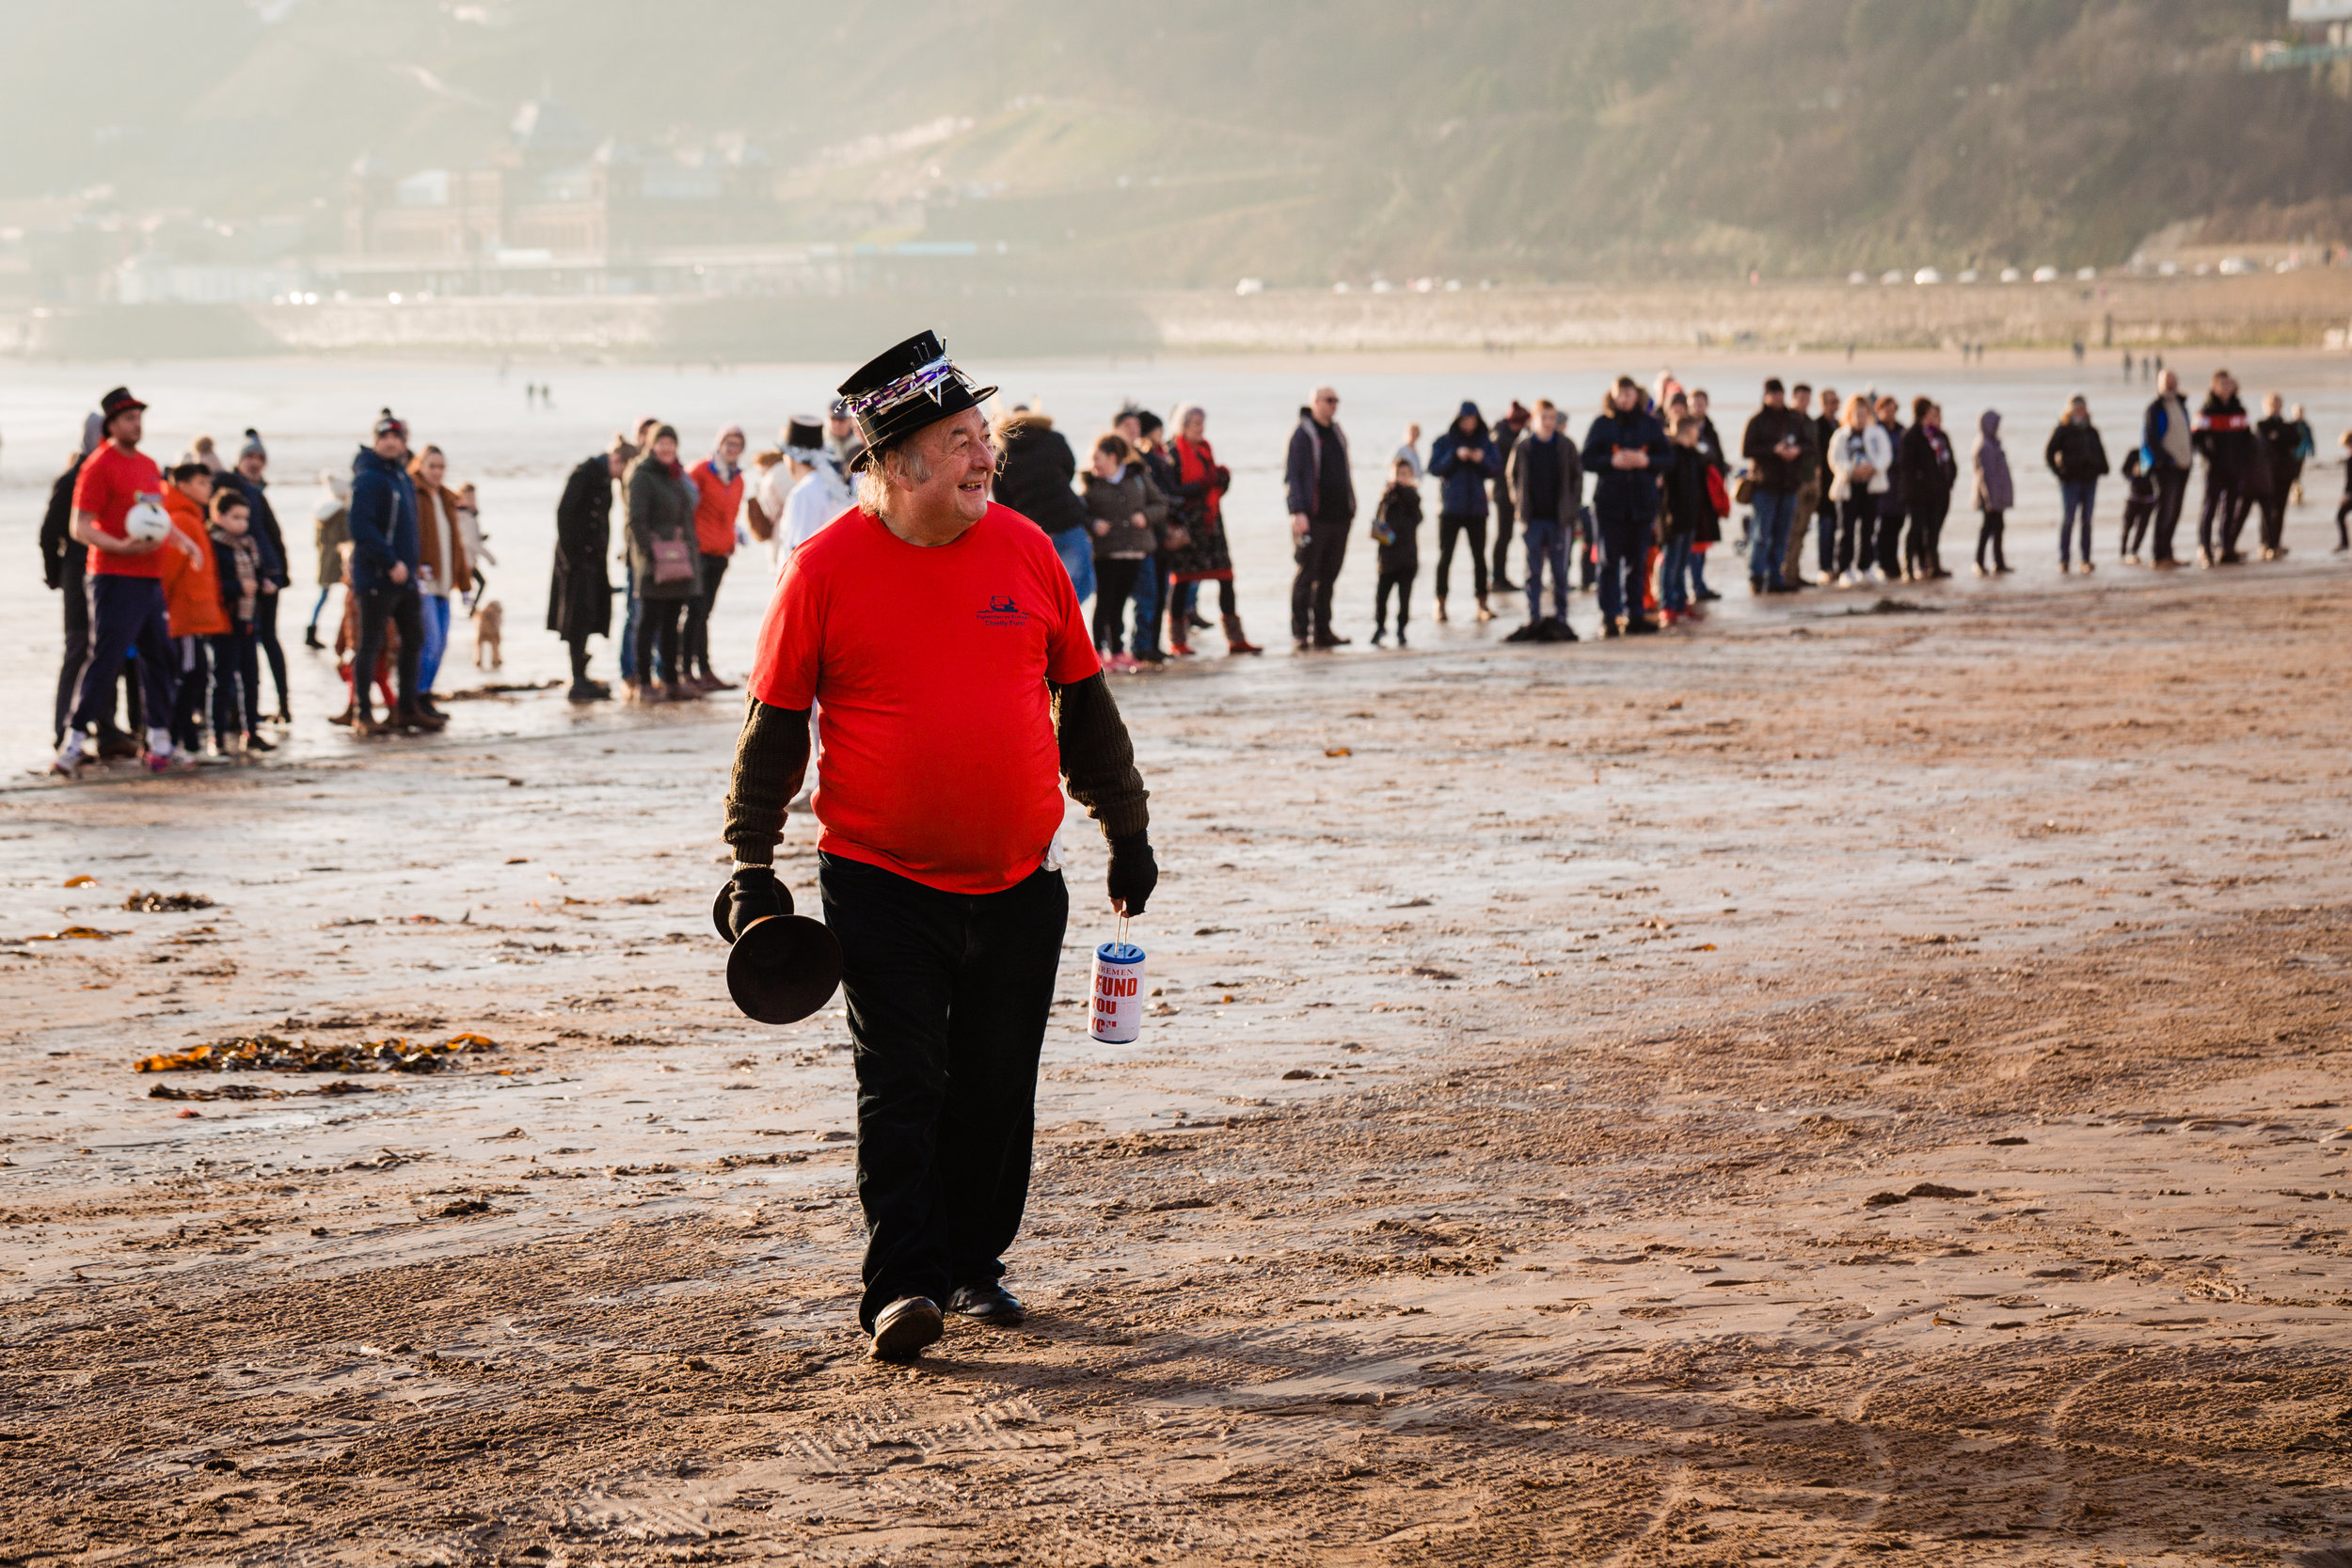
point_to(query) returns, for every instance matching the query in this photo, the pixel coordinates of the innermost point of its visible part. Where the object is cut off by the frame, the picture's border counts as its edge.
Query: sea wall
(2290, 308)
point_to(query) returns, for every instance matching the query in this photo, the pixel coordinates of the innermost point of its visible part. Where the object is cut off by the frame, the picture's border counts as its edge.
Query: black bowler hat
(902, 389)
(119, 401)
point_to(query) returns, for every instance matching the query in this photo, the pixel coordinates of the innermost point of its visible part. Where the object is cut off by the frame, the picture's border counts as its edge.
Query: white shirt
(821, 495)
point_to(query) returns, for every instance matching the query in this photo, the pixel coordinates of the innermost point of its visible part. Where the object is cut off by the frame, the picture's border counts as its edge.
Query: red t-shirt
(936, 756)
(111, 483)
(716, 503)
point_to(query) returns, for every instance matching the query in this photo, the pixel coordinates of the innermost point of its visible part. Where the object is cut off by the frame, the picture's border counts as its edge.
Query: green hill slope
(1302, 142)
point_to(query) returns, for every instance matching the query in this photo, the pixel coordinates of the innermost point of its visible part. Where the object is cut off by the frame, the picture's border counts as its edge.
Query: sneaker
(2087, 568)
(253, 742)
(67, 764)
(170, 760)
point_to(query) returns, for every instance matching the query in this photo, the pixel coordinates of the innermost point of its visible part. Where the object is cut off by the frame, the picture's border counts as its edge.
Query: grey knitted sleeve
(771, 760)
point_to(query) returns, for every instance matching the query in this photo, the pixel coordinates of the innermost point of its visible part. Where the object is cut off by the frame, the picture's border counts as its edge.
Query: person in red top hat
(941, 760)
(119, 515)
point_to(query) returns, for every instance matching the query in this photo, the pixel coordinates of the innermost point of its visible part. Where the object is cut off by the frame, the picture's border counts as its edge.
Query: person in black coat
(2279, 444)
(1929, 471)
(2080, 459)
(1625, 449)
(1322, 496)
(2226, 436)
(579, 596)
(248, 475)
(1035, 477)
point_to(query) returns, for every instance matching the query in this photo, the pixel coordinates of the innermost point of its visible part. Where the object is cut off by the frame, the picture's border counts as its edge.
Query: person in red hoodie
(718, 501)
(192, 603)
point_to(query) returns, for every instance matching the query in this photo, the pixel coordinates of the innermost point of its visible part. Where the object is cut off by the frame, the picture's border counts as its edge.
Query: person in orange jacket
(192, 604)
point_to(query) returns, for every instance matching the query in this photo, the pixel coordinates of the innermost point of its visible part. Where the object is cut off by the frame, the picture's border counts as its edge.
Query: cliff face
(1303, 143)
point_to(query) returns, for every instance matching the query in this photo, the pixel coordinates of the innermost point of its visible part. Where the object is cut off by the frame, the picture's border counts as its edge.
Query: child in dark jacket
(2139, 509)
(236, 665)
(1396, 529)
(1687, 507)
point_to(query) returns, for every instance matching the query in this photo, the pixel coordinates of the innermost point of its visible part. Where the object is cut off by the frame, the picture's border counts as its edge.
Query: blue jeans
(2076, 498)
(1674, 574)
(1768, 538)
(1146, 637)
(1078, 558)
(436, 640)
(1547, 547)
(629, 637)
(1698, 571)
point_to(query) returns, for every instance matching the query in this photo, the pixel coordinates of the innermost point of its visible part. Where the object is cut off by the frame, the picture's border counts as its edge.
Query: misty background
(264, 148)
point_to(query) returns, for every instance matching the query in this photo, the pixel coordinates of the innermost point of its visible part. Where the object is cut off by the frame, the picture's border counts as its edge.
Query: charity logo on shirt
(1002, 611)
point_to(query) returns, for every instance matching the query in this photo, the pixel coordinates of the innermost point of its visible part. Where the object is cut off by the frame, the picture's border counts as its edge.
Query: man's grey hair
(903, 461)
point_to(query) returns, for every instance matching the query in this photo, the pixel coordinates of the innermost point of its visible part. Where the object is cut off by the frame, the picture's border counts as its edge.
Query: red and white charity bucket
(1117, 992)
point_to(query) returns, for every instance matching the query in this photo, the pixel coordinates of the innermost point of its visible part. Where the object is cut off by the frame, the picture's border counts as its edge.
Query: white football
(147, 521)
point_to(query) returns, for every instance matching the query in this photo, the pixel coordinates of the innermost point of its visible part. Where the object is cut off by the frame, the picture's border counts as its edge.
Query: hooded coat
(1462, 478)
(2225, 437)
(1037, 475)
(1996, 492)
(579, 596)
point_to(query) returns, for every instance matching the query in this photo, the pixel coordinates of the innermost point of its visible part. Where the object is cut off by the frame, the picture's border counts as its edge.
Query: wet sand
(1542, 1039)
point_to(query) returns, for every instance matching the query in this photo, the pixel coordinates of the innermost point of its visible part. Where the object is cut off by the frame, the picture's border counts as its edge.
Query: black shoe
(588, 692)
(1502, 585)
(1609, 628)
(114, 745)
(253, 742)
(1756, 585)
(986, 1304)
(310, 639)
(1332, 640)
(1636, 626)
(1200, 623)
(1151, 655)
(904, 1327)
(1709, 593)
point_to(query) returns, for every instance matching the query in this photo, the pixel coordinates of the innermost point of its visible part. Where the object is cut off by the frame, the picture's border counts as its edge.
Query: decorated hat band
(905, 388)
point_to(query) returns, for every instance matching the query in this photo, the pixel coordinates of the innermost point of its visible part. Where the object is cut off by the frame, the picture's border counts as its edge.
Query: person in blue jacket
(1626, 448)
(1463, 459)
(385, 551)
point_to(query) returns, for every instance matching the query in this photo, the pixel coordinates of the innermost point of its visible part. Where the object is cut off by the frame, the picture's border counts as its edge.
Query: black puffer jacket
(2075, 453)
(1035, 477)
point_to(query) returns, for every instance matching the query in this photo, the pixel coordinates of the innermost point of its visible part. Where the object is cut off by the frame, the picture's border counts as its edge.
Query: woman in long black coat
(579, 597)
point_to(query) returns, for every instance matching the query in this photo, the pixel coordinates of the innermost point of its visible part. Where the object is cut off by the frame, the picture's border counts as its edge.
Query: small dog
(489, 631)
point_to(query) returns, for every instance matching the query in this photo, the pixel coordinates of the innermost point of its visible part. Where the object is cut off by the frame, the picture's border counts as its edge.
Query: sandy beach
(1836, 1082)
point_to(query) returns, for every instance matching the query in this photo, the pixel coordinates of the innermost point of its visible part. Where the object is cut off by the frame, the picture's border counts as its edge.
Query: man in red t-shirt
(956, 685)
(718, 481)
(125, 584)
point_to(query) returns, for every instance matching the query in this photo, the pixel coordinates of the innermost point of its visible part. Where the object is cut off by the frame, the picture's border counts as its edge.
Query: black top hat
(902, 389)
(119, 401)
(803, 438)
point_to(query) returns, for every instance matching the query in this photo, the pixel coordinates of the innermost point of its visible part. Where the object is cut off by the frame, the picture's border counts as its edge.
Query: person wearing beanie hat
(248, 475)
(935, 633)
(385, 557)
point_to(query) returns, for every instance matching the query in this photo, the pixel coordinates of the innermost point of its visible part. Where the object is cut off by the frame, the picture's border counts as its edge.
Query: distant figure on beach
(1322, 495)
(2080, 459)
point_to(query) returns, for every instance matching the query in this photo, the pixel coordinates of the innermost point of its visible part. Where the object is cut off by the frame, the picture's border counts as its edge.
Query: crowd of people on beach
(172, 578)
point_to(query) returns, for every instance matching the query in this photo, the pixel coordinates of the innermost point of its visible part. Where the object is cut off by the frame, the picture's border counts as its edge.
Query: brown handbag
(672, 560)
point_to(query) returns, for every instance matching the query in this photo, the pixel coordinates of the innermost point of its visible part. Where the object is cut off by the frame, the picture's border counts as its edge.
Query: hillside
(1302, 143)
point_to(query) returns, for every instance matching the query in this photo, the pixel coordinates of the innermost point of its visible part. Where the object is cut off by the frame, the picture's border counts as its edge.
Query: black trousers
(378, 607)
(194, 698)
(2137, 514)
(2171, 491)
(1451, 526)
(1927, 527)
(949, 996)
(265, 641)
(1396, 574)
(2220, 513)
(1505, 516)
(2274, 523)
(657, 628)
(1988, 534)
(579, 649)
(698, 615)
(1857, 535)
(237, 679)
(1319, 562)
(1114, 585)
